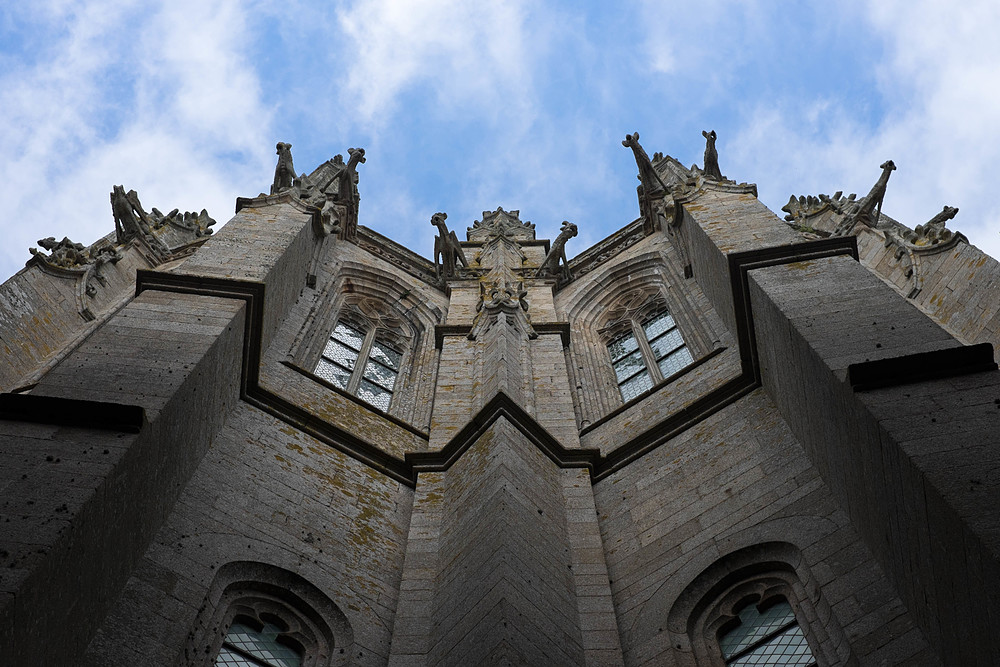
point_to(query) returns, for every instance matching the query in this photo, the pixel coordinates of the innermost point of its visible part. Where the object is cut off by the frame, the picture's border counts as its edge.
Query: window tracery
(643, 342)
(364, 352)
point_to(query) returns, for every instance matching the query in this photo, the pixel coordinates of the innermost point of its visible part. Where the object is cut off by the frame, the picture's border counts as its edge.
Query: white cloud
(939, 122)
(150, 97)
(466, 54)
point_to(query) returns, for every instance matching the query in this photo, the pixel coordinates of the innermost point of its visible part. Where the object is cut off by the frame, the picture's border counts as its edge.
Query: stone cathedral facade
(717, 437)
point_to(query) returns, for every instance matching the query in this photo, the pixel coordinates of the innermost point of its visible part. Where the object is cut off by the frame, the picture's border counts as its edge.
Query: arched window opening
(252, 642)
(645, 344)
(259, 615)
(363, 355)
(358, 362)
(765, 634)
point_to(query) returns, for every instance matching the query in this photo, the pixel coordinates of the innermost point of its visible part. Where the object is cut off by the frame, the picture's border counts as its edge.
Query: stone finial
(557, 254)
(284, 171)
(711, 169)
(447, 249)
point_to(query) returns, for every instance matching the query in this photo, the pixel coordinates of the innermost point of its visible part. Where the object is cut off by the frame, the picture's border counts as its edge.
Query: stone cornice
(397, 255)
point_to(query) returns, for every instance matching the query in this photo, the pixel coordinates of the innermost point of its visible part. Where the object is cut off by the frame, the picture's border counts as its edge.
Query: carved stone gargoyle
(130, 218)
(64, 254)
(447, 249)
(934, 230)
(557, 254)
(284, 171)
(711, 169)
(869, 208)
(651, 181)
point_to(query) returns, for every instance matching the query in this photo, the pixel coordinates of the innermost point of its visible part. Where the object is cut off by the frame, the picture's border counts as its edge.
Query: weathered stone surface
(505, 504)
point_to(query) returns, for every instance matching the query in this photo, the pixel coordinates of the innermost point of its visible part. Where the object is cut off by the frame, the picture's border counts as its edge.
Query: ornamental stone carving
(447, 249)
(555, 263)
(711, 169)
(284, 171)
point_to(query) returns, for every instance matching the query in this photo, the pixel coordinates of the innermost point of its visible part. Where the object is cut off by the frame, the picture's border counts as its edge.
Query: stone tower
(714, 436)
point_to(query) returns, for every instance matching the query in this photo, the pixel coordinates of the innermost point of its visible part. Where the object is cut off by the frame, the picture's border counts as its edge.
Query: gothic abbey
(717, 437)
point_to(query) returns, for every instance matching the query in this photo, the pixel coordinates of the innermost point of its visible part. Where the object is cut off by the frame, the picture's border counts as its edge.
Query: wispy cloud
(159, 98)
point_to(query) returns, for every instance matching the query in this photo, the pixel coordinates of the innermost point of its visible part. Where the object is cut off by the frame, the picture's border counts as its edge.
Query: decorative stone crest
(62, 254)
(501, 299)
(555, 263)
(501, 221)
(447, 249)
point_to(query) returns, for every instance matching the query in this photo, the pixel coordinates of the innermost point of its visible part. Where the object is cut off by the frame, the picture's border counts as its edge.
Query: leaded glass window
(358, 362)
(250, 643)
(766, 635)
(651, 351)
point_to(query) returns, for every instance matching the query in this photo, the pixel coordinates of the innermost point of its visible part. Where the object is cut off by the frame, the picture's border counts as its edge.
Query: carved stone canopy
(501, 221)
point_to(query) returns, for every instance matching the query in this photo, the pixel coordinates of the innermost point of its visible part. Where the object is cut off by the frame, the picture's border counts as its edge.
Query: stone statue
(711, 169)
(128, 212)
(870, 210)
(650, 180)
(64, 254)
(447, 248)
(933, 231)
(284, 171)
(551, 264)
(348, 190)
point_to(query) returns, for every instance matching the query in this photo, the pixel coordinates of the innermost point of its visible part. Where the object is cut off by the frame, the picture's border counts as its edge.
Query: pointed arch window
(765, 634)
(645, 344)
(361, 362)
(253, 642)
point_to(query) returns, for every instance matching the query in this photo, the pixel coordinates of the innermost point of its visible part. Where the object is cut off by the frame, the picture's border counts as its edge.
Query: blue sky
(466, 106)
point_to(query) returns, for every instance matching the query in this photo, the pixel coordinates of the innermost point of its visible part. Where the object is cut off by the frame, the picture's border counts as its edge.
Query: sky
(466, 106)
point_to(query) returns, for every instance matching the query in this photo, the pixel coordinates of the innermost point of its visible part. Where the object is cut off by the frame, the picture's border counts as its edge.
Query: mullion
(359, 367)
(647, 352)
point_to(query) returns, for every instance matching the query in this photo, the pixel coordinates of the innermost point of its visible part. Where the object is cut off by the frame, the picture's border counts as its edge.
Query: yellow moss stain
(294, 447)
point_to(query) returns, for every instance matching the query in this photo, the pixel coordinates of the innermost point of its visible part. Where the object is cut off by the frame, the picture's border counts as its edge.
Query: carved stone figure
(284, 171)
(64, 254)
(130, 218)
(871, 208)
(349, 190)
(711, 169)
(198, 223)
(557, 254)
(651, 181)
(933, 231)
(447, 249)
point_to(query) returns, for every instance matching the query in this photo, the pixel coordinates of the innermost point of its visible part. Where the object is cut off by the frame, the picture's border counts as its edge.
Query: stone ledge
(72, 412)
(921, 367)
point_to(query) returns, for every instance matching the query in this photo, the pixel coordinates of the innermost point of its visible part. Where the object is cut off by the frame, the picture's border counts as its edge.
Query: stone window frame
(629, 316)
(373, 337)
(247, 589)
(755, 574)
(371, 316)
(588, 307)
